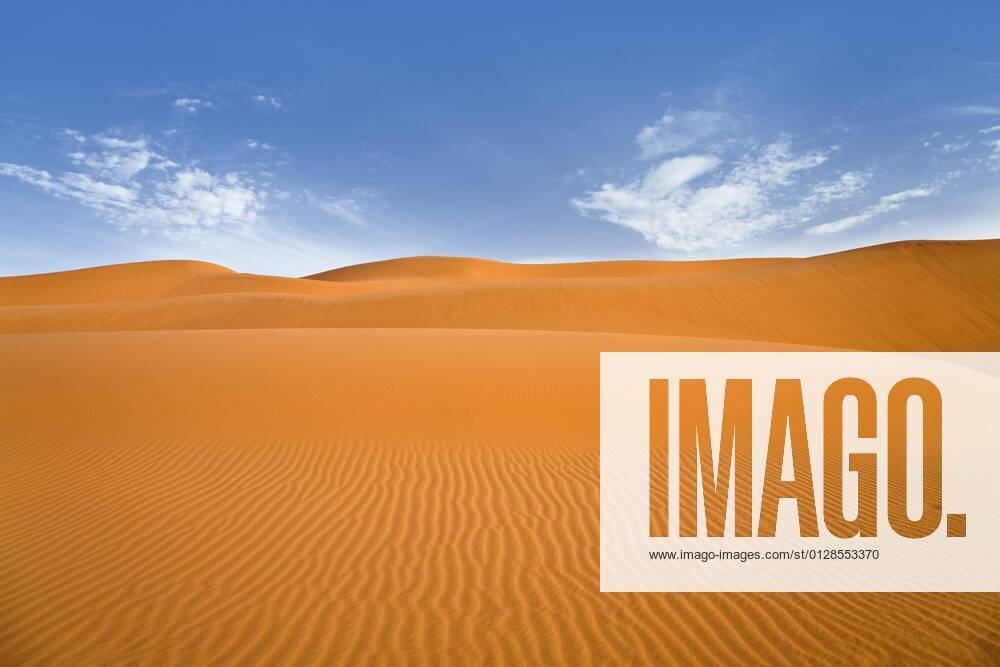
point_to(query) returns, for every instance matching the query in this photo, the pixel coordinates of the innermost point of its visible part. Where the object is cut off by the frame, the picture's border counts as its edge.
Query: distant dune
(399, 460)
(915, 295)
(409, 272)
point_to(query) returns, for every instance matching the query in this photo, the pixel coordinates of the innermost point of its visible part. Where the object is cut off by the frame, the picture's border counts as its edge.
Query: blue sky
(298, 138)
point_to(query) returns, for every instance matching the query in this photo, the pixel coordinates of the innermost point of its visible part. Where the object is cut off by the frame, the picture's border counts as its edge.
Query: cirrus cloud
(977, 110)
(885, 204)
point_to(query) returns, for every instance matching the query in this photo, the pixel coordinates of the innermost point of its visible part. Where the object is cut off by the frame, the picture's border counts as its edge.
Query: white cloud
(681, 130)
(956, 146)
(977, 110)
(192, 105)
(97, 193)
(194, 199)
(345, 208)
(74, 135)
(240, 217)
(990, 130)
(119, 143)
(171, 200)
(849, 185)
(703, 199)
(671, 174)
(995, 156)
(670, 210)
(120, 159)
(262, 145)
(104, 197)
(267, 100)
(885, 204)
(37, 177)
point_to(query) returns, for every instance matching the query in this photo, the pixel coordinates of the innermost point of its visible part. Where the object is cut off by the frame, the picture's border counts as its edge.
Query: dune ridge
(441, 270)
(918, 295)
(203, 466)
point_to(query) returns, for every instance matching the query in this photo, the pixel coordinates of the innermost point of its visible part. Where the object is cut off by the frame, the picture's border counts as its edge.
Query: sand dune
(147, 280)
(408, 471)
(173, 278)
(927, 296)
(412, 272)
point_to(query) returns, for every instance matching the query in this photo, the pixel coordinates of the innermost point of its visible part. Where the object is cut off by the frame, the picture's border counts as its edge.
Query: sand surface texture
(398, 461)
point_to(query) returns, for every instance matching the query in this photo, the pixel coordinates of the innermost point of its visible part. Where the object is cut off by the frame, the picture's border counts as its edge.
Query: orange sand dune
(170, 278)
(408, 473)
(410, 272)
(919, 295)
(146, 280)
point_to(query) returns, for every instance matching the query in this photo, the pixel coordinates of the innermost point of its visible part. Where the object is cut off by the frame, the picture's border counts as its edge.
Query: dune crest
(916, 295)
(442, 270)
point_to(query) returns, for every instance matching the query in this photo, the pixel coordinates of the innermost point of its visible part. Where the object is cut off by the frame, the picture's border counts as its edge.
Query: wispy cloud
(217, 93)
(677, 131)
(115, 158)
(990, 130)
(165, 205)
(345, 208)
(103, 197)
(995, 156)
(268, 101)
(261, 145)
(715, 186)
(135, 187)
(676, 206)
(885, 204)
(192, 104)
(977, 110)
(74, 135)
(194, 199)
(955, 146)
(849, 185)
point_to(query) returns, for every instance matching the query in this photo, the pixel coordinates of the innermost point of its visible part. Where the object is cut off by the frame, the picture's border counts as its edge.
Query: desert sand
(398, 461)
